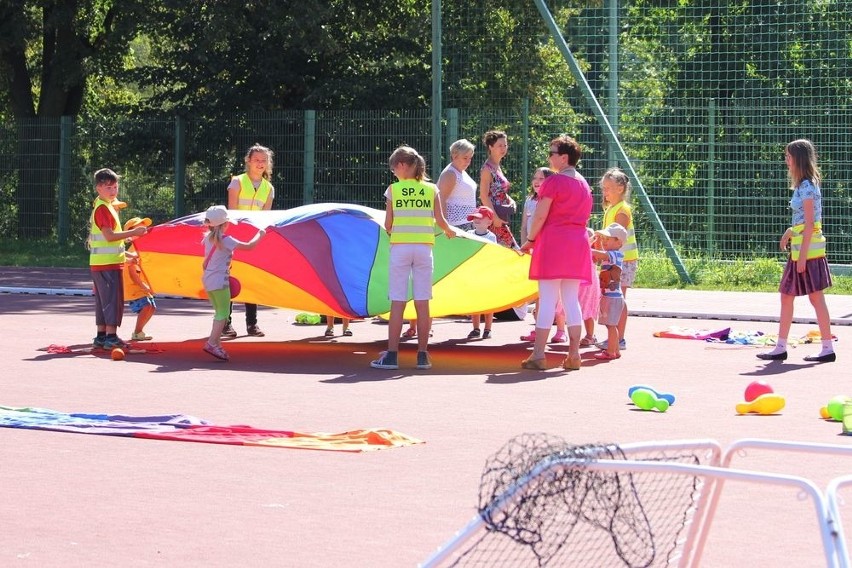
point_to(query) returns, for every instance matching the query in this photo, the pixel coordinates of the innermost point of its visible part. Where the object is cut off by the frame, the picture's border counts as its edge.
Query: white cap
(216, 215)
(615, 230)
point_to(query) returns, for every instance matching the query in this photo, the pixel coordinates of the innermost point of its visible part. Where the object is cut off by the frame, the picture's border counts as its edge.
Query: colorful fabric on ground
(677, 332)
(332, 259)
(184, 428)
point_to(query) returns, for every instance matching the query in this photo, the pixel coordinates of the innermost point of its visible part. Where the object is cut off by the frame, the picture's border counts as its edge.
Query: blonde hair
(267, 173)
(461, 147)
(408, 155)
(215, 234)
(617, 176)
(546, 172)
(804, 156)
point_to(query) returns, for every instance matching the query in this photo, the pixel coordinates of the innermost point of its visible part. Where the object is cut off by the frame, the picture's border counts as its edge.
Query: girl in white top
(218, 251)
(457, 188)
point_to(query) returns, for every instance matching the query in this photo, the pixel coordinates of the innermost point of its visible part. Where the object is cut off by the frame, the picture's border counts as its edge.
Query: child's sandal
(588, 340)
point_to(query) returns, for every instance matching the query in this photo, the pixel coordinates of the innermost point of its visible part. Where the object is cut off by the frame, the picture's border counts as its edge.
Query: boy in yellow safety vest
(106, 260)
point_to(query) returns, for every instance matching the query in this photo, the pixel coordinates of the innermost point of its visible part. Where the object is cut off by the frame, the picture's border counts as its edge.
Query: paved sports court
(87, 500)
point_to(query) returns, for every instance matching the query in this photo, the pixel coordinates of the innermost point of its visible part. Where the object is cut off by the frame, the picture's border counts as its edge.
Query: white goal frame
(714, 471)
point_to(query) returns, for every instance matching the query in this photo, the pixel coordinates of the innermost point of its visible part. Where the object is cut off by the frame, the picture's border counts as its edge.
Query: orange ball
(118, 354)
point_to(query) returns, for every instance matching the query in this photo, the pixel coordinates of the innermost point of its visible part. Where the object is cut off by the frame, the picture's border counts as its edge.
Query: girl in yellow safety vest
(251, 191)
(615, 186)
(806, 272)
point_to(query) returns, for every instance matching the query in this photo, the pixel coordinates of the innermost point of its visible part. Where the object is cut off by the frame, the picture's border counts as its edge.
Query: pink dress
(590, 294)
(561, 248)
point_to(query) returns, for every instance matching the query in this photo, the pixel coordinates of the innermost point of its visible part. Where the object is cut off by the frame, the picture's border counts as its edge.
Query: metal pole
(711, 175)
(613, 77)
(647, 206)
(180, 166)
(437, 103)
(525, 153)
(452, 126)
(310, 158)
(65, 126)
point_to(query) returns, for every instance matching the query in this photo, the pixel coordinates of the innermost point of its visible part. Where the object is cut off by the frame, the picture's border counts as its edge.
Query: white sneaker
(622, 344)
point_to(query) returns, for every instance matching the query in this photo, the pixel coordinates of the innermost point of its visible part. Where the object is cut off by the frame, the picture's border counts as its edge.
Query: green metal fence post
(437, 103)
(525, 151)
(180, 166)
(308, 165)
(66, 124)
(592, 101)
(612, 90)
(452, 126)
(711, 176)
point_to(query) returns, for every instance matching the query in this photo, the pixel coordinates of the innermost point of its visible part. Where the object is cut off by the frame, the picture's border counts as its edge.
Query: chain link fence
(704, 96)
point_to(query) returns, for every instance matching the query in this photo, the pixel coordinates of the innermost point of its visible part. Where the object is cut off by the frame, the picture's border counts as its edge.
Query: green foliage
(42, 253)
(744, 275)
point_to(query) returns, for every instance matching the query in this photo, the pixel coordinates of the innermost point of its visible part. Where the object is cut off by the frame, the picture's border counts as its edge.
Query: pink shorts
(410, 264)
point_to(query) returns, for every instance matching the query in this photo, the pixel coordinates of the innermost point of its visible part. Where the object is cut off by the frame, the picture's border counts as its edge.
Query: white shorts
(410, 264)
(610, 310)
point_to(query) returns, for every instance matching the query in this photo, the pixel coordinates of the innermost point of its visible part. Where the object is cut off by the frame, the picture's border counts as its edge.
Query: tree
(48, 50)
(215, 59)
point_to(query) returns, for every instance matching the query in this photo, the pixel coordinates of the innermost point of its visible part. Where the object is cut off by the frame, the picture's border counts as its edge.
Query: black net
(543, 506)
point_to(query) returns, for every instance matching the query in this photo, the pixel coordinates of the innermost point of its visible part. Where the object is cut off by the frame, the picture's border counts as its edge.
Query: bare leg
(475, 319)
(574, 332)
(144, 317)
(489, 319)
(612, 340)
(622, 321)
(540, 342)
(786, 319)
(589, 324)
(395, 324)
(216, 333)
(824, 320)
(424, 322)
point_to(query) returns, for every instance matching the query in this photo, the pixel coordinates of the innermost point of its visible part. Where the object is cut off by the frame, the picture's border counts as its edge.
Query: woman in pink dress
(560, 250)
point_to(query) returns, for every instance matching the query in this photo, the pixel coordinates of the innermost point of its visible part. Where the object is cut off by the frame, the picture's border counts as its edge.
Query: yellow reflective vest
(817, 246)
(630, 248)
(101, 251)
(413, 212)
(249, 198)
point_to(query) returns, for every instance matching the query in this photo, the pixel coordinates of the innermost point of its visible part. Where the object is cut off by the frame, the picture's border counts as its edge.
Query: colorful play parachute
(333, 259)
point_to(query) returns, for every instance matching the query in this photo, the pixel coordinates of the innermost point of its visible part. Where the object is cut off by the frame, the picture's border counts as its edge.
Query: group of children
(614, 259)
(118, 275)
(413, 211)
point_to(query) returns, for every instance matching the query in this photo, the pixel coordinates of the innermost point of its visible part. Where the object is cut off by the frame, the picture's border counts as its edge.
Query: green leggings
(221, 301)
